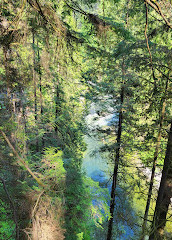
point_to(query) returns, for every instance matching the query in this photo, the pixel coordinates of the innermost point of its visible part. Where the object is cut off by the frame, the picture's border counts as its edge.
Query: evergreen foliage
(63, 63)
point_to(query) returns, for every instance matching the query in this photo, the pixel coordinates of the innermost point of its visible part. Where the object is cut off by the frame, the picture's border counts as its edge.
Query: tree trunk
(24, 114)
(7, 55)
(164, 194)
(40, 89)
(7, 69)
(56, 107)
(57, 100)
(162, 113)
(35, 89)
(115, 172)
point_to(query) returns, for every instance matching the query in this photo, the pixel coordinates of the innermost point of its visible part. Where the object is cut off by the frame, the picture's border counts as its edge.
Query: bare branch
(33, 212)
(155, 5)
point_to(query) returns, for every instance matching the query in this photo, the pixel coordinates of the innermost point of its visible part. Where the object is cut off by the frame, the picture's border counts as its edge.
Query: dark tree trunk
(117, 156)
(7, 56)
(115, 173)
(162, 113)
(34, 78)
(56, 107)
(35, 89)
(164, 194)
(24, 115)
(40, 89)
(40, 80)
(6, 51)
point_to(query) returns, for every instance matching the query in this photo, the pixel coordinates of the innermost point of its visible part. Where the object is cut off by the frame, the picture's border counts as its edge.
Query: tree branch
(155, 5)
(21, 160)
(34, 209)
(74, 9)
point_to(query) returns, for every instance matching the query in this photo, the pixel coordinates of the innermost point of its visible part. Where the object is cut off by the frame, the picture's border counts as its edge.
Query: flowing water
(128, 212)
(98, 168)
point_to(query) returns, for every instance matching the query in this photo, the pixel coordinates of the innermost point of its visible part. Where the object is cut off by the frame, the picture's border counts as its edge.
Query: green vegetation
(60, 63)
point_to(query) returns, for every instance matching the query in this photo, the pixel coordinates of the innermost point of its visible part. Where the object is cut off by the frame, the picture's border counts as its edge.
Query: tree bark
(34, 78)
(35, 89)
(40, 89)
(162, 113)
(57, 101)
(164, 194)
(156, 6)
(7, 55)
(117, 158)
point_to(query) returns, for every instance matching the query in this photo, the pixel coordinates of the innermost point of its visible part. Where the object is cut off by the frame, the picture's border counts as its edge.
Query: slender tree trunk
(117, 157)
(40, 79)
(164, 194)
(24, 114)
(57, 98)
(7, 69)
(6, 52)
(34, 78)
(127, 14)
(40, 89)
(35, 88)
(162, 113)
(56, 107)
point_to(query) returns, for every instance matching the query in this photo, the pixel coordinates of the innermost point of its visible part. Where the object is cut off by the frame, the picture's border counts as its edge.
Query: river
(97, 167)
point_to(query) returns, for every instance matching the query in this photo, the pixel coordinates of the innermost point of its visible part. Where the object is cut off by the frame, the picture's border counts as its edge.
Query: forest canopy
(85, 119)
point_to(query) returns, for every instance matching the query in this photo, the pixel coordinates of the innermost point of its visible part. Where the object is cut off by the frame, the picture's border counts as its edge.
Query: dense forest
(85, 119)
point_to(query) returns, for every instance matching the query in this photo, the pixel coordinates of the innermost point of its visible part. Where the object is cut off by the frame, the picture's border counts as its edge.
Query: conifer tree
(164, 194)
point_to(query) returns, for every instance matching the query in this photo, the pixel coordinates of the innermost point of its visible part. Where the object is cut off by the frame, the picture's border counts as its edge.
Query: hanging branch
(21, 160)
(155, 5)
(41, 12)
(94, 19)
(47, 17)
(79, 10)
(164, 75)
(38, 8)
